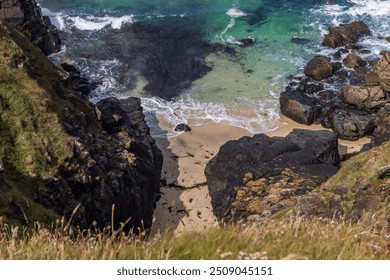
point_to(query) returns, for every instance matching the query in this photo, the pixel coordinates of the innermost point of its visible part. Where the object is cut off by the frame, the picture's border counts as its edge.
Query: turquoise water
(241, 90)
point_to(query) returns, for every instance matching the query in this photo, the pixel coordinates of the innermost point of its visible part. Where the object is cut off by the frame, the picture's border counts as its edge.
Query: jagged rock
(381, 132)
(120, 170)
(346, 34)
(260, 175)
(351, 124)
(353, 61)
(75, 80)
(1, 165)
(380, 73)
(363, 97)
(26, 16)
(183, 127)
(299, 107)
(319, 68)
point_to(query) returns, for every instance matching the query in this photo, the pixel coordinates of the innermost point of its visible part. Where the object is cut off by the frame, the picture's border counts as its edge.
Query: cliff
(26, 16)
(56, 153)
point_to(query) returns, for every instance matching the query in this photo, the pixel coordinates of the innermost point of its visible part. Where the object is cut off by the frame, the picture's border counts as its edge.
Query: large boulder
(319, 68)
(346, 34)
(363, 97)
(299, 107)
(351, 124)
(260, 175)
(26, 16)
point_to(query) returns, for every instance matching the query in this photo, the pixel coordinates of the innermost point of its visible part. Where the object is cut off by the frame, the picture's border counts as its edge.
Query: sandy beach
(185, 204)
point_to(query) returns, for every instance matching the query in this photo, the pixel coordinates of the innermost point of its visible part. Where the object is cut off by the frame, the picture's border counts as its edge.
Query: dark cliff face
(26, 16)
(60, 153)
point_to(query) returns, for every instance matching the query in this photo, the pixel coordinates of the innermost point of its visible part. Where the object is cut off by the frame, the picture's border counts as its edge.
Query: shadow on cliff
(169, 209)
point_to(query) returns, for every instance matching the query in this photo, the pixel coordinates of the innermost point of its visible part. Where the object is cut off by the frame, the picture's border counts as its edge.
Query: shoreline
(185, 205)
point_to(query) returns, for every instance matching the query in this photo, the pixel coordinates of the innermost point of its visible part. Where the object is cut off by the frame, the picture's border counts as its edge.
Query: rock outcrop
(96, 166)
(346, 34)
(361, 186)
(260, 175)
(26, 16)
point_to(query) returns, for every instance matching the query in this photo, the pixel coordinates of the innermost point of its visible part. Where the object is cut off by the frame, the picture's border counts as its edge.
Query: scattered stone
(182, 127)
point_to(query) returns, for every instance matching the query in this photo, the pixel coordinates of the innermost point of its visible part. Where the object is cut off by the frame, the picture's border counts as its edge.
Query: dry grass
(294, 238)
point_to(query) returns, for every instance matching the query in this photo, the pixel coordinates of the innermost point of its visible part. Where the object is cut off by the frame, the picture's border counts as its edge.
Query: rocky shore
(256, 177)
(343, 91)
(99, 166)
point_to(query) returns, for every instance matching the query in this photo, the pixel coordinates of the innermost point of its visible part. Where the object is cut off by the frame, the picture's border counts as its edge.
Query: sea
(241, 89)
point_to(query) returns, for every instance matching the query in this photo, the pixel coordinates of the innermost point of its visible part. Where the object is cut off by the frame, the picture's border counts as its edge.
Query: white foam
(97, 23)
(235, 13)
(255, 116)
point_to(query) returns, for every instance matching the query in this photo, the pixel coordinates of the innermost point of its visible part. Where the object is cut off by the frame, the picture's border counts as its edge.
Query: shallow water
(241, 90)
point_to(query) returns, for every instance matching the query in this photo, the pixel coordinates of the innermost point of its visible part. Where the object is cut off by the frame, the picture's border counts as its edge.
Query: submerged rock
(260, 175)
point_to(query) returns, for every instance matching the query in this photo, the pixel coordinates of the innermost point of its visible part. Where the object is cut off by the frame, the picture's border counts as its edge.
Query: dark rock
(299, 107)
(388, 39)
(247, 42)
(351, 124)
(300, 41)
(75, 81)
(1, 165)
(354, 61)
(324, 144)
(109, 175)
(183, 127)
(326, 95)
(337, 55)
(318, 68)
(346, 34)
(381, 132)
(26, 16)
(260, 175)
(336, 66)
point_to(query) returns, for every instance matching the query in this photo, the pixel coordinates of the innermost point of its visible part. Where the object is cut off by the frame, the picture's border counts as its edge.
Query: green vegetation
(32, 140)
(294, 238)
